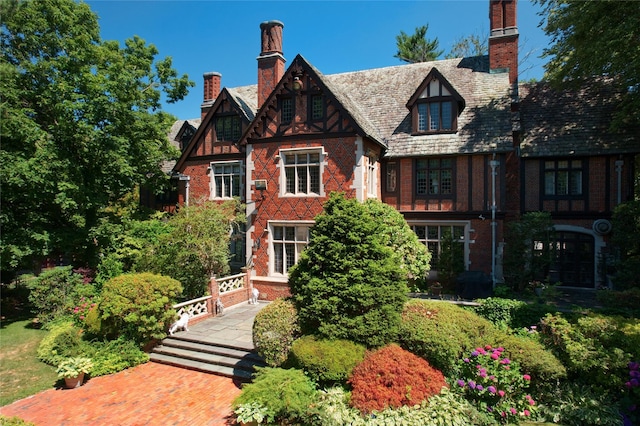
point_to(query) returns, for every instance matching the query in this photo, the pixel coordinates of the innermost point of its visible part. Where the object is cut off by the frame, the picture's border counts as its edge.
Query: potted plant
(73, 369)
(436, 288)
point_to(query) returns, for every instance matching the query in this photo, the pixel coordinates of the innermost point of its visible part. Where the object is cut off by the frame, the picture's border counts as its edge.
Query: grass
(21, 373)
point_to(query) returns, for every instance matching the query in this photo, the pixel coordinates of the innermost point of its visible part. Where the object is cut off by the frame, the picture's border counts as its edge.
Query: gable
(221, 129)
(435, 85)
(305, 103)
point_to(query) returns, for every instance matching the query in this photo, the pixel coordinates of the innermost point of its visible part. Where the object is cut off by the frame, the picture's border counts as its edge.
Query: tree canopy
(81, 125)
(472, 45)
(417, 47)
(595, 38)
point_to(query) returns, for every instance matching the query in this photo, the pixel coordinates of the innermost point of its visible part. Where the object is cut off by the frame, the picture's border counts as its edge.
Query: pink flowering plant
(494, 384)
(82, 308)
(631, 402)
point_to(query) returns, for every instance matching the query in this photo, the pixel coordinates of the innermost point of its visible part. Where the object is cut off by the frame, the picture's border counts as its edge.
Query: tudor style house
(458, 146)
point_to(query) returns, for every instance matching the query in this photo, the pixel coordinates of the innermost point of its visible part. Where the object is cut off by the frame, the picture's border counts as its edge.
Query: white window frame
(213, 185)
(284, 166)
(465, 238)
(295, 246)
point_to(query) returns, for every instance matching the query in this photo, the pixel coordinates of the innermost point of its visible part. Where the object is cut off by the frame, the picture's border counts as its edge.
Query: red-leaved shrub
(392, 377)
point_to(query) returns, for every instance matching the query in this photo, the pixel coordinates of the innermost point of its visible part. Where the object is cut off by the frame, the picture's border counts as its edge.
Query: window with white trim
(433, 235)
(302, 171)
(287, 242)
(226, 180)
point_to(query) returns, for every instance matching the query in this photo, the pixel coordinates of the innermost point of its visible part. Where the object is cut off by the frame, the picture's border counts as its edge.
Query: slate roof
(167, 166)
(376, 99)
(572, 122)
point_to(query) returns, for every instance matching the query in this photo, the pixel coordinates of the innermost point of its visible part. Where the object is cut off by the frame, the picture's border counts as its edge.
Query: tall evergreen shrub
(351, 280)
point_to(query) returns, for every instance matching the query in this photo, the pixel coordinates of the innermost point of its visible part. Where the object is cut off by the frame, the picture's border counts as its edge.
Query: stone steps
(216, 357)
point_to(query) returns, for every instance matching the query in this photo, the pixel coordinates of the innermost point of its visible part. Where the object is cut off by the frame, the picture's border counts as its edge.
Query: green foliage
(499, 311)
(196, 245)
(542, 365)
(416, 47)
(522, 263)
(391, 377)
(51, 292)
(494, 383)
(139, 306)
(573, 404)
(441, 332)
(73, 367)
(327, 362)
(590, 39)
(284, 395)
(450, 262)
(351, 280)
(625, 302)
(444, 409)
(81, 126)
(472, 45)
(14, 421)
(275, 327)
(64, 340)
(626, 225)
(595, 348)
(113, 356)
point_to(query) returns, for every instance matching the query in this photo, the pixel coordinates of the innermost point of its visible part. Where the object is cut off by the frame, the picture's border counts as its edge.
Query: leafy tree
(351, 280)
(417, 48)
(595, 38)
(626, 225)
(472, 45)
(81, 126)
(529, 251)
(196, 245)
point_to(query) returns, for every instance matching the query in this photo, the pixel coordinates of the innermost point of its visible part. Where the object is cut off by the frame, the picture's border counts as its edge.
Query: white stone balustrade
(194, 307)
(230, 283)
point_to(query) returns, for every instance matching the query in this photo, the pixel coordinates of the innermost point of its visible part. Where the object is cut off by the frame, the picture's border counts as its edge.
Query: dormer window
(435, 106)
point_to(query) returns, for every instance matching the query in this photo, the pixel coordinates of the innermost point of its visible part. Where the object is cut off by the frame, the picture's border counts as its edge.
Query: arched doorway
(575, 255)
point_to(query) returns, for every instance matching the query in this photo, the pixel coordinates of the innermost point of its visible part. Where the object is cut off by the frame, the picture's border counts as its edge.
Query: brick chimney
(211, 91)
(503, 38)
(270, 62)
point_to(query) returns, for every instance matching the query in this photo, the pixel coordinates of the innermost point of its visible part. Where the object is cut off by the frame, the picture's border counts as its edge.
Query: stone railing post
(214, 290)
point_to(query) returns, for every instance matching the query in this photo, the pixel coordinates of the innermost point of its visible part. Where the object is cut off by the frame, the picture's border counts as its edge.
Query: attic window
(435, 106)
(286, 110)
(228, 128)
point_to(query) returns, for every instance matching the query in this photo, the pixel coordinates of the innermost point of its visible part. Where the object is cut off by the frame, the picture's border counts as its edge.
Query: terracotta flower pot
(74, 382)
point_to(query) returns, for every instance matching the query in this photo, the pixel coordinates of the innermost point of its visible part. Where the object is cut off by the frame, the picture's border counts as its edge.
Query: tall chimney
(211, 91)
(270, 62)
(503, 38)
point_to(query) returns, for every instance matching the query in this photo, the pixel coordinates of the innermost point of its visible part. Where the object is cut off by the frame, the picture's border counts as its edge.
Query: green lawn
(21, 374)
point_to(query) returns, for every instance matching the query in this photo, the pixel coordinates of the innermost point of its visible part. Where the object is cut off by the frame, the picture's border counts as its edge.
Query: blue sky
(334, 36)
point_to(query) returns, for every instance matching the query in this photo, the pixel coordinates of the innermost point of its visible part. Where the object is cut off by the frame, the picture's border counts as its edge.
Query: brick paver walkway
(149, 394)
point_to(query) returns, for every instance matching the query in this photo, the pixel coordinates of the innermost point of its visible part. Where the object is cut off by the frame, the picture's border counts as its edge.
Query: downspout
(494, 165)
(619, 164)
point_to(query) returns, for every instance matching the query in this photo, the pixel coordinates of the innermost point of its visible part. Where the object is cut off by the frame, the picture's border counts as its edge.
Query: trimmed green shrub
(499, 311)
(14, 421)
(114, 356)
(626, 302)
(534, 359)
(282, 395)
(139, 306)
(595, 349)
(275, 327)
(441, 332)
(327, 362)
(62, 341)
(391, 377)
(351, 280)
(51, 292)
